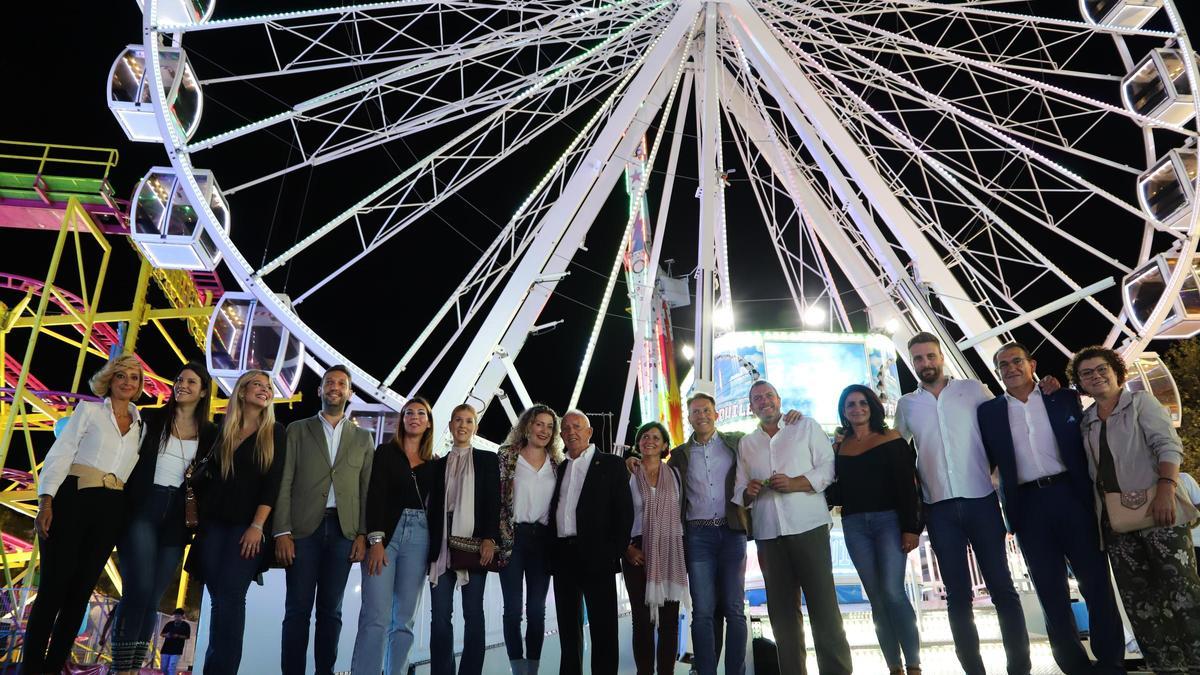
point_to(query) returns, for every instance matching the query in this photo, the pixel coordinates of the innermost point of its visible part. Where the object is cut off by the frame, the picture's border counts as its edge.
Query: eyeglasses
(1101, 370)
(1015, 362)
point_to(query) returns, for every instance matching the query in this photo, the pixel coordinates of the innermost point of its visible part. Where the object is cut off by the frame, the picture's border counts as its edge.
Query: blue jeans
(953, 524)
(873, 540)
(318, 574)
(170, 662)
(441, 632)
(716, 567)
(389, 600)
(227, 575)
(148, 555)
(527, 565)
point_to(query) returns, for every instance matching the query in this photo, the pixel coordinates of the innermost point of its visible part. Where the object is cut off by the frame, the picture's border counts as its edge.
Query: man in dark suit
(591, 516)
(1048, 499)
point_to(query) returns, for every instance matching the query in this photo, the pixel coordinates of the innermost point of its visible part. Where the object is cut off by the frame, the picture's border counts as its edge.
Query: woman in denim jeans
(178, 435)
(398, 544)
(529, 461)
(237, 488)
(876, 488)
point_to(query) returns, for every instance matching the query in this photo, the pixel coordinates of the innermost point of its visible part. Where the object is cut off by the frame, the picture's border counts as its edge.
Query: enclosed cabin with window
(244, 335)
(129, 96)
(167, 227)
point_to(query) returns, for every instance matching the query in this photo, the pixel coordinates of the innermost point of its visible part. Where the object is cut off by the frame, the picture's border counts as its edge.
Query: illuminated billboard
(810, 370)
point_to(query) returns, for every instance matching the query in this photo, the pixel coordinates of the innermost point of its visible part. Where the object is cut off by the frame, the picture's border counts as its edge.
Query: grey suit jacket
(308, 477)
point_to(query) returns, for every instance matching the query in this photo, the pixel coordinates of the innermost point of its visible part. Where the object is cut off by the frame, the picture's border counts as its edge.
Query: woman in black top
(148, 553)
(465, 506)
(877, 490)
(398, 544)
(237, 486)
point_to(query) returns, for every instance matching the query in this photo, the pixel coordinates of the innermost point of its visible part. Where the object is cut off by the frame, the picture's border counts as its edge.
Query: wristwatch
(373, 539)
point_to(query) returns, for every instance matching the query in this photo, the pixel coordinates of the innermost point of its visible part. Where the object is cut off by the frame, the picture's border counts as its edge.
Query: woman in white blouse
(177, 436)
(81, 510)
(529, 459)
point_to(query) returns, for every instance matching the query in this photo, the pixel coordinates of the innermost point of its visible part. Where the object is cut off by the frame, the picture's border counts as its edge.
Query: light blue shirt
(708, 469)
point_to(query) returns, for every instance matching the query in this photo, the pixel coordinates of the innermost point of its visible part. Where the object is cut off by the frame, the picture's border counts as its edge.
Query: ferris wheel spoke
(556, 41)
(971, 123)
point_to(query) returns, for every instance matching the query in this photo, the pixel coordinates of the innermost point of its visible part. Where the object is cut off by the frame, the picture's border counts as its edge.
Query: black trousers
(83, 533)
(574, 585)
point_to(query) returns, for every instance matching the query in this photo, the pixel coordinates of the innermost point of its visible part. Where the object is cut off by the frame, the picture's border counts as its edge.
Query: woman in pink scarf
(653, 568)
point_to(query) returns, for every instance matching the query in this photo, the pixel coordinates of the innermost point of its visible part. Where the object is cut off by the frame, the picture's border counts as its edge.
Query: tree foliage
(1183, 358)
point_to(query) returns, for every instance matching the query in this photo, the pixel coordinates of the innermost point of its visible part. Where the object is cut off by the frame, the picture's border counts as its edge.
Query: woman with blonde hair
(529, 460)
(397, 544)
(81, 510)
(236, 485)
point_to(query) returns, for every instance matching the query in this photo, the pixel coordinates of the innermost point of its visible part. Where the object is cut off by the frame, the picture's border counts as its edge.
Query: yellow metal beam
(129, 315)
(139, 308)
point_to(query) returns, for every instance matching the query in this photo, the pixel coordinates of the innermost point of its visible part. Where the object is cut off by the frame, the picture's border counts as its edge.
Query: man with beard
(961, 506)
(320, 522)
(782, 472)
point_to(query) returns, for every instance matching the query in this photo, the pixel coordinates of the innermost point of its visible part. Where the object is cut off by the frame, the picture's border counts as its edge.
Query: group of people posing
(1080, 489)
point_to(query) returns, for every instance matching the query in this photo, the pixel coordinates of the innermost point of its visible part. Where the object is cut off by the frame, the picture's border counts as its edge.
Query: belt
(91, 477)
(1046, 481)
(332, 511)
(710, 522)
(532, 528)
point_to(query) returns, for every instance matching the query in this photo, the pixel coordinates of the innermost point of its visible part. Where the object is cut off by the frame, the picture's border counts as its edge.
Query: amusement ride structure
(962, 168)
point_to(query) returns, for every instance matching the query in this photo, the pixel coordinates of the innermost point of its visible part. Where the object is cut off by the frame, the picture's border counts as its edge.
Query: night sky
(56, 94)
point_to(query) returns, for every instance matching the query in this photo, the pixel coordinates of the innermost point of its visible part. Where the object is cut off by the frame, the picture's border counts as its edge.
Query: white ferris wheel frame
(502, 333)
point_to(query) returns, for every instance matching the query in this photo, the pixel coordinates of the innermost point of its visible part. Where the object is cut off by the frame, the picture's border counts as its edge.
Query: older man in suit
(591, 517)
(320, 522)
(1047, 495)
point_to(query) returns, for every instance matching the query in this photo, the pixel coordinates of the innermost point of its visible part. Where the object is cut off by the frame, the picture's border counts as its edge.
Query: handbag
(191, 507)
(464, 555)
(1129, 511)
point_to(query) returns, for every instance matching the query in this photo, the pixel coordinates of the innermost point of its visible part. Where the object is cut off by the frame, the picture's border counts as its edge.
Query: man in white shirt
(782, 472)
(591, 517)
(961, 503)
(320, 522)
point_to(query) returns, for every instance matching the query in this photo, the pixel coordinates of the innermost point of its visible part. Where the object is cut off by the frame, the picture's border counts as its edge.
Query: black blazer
(487, 500)
(141, 479)
(603, 517)
(1065, 413)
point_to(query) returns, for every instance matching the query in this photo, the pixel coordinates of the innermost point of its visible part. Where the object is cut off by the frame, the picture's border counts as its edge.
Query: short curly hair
(103, 378)
(1110, 357)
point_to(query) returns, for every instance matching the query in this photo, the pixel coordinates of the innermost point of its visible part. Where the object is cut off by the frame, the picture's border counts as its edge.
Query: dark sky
(56, 93)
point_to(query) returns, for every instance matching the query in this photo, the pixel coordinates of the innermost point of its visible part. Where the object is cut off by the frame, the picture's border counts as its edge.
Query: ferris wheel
(956, 167)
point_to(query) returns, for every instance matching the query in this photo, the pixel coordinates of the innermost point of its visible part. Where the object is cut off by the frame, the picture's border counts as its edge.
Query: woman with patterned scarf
(465, 506)
(529, 461)
(653, 568)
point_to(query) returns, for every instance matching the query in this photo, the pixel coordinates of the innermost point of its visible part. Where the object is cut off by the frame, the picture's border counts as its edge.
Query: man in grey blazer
(319, 522)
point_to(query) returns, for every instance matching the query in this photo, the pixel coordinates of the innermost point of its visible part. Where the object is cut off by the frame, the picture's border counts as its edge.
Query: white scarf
(460, 492)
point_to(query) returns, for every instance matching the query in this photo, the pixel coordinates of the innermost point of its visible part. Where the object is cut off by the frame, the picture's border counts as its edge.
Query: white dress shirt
(568, 501)
(92, 437)
(333, 439)
(638, 506)
(951, 460)
(173, 461)
(1034, 444)
(532, 491)
(800, 449)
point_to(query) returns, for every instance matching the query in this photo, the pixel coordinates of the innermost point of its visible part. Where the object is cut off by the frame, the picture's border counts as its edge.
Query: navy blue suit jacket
(1065, 414)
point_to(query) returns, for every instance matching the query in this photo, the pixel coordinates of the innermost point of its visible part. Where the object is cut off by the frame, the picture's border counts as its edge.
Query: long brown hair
(518, 436)
(264, 442)
(425, 452)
